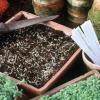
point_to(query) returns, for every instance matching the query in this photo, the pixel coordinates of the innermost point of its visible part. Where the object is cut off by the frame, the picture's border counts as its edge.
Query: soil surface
(34, 53)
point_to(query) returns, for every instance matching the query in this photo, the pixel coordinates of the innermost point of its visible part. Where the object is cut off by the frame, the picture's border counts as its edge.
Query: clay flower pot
(68, 84)
(89, 63)
(63, 69)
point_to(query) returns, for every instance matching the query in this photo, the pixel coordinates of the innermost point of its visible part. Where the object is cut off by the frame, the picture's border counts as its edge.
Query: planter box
(82, 77)
(63, 69)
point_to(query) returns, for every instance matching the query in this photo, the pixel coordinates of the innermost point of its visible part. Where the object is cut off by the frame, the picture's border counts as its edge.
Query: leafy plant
(84, 90)
(94, 16)
(8, 88)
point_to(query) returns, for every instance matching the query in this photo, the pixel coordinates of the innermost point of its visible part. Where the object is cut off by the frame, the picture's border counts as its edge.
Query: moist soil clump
(34, 53)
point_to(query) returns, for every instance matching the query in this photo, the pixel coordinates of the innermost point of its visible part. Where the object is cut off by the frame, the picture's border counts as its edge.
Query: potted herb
(47, 7)
(84, 87)
(8, 88)
(38, 57)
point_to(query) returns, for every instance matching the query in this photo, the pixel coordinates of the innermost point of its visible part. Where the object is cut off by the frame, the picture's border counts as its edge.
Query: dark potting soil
(34, 53)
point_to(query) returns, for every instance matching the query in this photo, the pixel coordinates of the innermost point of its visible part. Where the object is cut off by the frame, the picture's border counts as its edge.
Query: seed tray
(57, 89)
(66, 66)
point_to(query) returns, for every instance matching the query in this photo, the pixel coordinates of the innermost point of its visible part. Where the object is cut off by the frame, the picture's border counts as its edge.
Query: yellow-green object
(94, 16)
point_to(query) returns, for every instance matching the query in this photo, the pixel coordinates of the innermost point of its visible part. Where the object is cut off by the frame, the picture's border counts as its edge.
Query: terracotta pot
(47, 7)
(63, 69)
(89, 63)
(57, 89)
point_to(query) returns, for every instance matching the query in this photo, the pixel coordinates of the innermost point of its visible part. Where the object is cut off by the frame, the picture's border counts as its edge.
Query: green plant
(94, 16)
(8, 88)
(88, 89)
